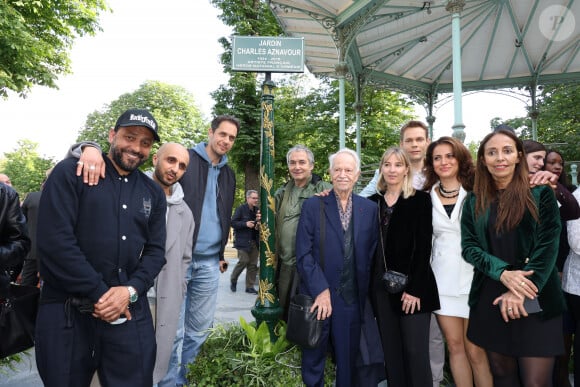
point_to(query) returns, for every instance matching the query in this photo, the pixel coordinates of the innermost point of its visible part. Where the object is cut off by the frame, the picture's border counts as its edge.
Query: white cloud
(174, 41)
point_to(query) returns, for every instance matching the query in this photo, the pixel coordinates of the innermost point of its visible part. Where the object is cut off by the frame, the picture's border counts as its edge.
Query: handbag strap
(381, 234)
(322, 232)
(383, 243)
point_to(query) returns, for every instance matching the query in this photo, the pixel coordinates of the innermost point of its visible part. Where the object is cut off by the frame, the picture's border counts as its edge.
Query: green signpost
(268, 54)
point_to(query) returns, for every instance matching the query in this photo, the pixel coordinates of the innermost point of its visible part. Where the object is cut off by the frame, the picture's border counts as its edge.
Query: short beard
(117, 157)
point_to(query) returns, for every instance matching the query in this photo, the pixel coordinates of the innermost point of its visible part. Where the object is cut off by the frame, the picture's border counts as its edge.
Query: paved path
(230, 306)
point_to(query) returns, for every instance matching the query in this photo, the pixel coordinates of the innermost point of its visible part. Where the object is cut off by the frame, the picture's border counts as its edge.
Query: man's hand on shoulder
(91, 165)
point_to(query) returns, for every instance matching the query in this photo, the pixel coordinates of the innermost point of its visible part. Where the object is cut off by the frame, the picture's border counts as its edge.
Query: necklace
(394, 196)
(448, 194)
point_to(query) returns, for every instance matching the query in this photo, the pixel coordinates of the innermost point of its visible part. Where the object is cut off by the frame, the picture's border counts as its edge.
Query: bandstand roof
(406, 44)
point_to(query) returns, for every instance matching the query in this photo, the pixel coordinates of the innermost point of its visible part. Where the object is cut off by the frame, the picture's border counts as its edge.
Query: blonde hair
(401, 155)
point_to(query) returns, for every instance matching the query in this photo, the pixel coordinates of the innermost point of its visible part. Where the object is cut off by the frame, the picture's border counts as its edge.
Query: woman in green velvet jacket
(510, 235)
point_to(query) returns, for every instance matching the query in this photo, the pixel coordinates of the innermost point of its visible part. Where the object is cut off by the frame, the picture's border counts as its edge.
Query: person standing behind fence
(246, 225)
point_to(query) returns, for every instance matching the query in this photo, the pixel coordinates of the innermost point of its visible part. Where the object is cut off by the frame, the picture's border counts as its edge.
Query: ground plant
(244, 355)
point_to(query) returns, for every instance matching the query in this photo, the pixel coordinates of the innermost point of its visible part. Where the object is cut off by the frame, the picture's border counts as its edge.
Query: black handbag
(303, 328)
(394, 281)
(18, 319)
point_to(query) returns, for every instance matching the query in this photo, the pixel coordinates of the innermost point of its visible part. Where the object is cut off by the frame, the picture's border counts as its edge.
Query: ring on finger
(522, 283)
(80, 163)
(92, 167)
(509, 310)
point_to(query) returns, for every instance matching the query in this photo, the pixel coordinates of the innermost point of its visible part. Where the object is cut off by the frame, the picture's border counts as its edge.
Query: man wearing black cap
(100, 251)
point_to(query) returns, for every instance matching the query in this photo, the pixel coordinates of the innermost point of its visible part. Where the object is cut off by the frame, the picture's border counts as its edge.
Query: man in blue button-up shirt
(100, 249)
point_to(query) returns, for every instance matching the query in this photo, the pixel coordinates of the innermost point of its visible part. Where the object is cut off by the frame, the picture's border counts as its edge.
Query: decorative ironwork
(267, 307)
(455, 6)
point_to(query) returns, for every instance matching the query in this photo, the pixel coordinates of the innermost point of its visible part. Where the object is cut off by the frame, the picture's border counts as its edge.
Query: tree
(172, 106)
(25, 167)
(303, 112)
(558, 121)
(36, 36)
(308, 114)
(241, 96)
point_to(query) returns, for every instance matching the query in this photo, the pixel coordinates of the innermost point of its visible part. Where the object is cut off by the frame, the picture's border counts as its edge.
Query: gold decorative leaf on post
(270, 259)
(268, 125)
(264, 291)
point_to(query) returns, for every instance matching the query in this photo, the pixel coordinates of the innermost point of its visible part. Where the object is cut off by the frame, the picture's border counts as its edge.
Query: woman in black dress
(510, 235)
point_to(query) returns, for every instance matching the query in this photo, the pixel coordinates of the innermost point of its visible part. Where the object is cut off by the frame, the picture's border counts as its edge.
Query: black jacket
(407, 248)
(193, 183)
(14, 241)
(244, 236)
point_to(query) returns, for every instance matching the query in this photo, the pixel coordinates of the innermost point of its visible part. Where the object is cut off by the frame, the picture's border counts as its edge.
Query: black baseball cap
(138, 117)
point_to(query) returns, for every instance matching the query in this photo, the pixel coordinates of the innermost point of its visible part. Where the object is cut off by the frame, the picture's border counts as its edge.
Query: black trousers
(71, 346)
(405, 340)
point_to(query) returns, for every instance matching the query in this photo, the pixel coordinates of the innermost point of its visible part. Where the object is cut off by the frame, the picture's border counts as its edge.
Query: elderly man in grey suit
(170, 163)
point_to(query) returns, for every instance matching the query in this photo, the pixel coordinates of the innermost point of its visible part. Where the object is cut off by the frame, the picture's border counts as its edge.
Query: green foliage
(25, 167)
(558, 121)
(241, 355)
(305, 111)
(305, 114)
(9, 363)
(241, 96)
(172, 106)
(36, 36)
(260, 340)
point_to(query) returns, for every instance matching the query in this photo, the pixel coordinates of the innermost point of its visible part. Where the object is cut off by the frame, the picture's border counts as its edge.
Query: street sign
(268, 54)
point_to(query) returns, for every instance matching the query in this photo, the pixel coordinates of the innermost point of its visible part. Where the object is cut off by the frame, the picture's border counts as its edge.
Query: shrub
(243, 355)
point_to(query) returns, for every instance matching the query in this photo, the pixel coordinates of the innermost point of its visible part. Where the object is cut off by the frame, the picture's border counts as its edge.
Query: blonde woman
(404, 245)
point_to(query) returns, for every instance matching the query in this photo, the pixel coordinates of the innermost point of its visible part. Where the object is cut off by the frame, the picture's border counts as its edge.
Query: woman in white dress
(449, 175)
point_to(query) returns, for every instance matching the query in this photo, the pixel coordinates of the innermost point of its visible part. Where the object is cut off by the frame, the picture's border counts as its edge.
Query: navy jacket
(96, 237)
(314, 278)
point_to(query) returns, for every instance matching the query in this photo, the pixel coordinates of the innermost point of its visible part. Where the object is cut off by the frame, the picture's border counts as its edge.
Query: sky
(172, 41)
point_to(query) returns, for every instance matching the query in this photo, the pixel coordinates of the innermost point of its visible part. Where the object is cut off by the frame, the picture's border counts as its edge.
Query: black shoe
(251, 291)
(233, 286)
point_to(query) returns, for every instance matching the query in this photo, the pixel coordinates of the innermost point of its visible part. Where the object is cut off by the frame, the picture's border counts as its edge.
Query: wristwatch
(133, 296)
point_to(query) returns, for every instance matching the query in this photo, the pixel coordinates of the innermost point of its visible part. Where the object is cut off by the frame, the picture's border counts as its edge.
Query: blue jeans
(197, 315)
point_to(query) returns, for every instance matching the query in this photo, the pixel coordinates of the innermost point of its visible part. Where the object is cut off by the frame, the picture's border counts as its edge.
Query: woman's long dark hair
(511, 208)
(466, 169)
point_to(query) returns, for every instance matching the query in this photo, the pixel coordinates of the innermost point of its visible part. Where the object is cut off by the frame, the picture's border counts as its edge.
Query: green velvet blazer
(537, 250)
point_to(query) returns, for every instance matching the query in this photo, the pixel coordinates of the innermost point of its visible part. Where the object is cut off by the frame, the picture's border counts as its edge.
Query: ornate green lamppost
(267, 307)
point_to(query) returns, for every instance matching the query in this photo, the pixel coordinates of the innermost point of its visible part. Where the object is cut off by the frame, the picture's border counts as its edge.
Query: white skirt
(453, 306)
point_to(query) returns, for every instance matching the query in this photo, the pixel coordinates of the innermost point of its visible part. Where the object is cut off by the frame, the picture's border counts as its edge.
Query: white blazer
(452, 273)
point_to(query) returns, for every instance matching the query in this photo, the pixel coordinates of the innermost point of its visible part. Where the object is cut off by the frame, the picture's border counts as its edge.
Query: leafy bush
(243, 355)
(9, 363)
